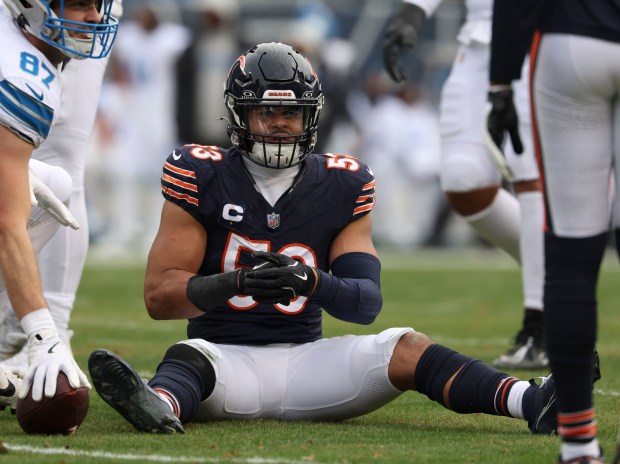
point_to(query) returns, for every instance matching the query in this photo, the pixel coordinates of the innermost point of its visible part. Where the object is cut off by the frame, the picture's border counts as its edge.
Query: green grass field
(470, 301)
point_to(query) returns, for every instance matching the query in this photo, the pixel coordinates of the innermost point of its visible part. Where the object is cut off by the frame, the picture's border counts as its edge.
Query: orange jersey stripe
(538, 152)
(180, 196)
(361, 209)
(369, 185)
(363, 198)
(183, 172)
(180, 183)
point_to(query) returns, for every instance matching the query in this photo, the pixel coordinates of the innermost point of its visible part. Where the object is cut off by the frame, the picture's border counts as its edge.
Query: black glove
(209, 292)
(401, 36)
(503, 117)
(282, 283)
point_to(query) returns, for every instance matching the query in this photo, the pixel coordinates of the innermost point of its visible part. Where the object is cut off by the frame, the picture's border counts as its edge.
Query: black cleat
(119, 385)
(528, 353)
(596, 367)
(544, 420)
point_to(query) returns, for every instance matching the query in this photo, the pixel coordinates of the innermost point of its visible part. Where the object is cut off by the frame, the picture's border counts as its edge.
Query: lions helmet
(39, 19)
(271, 75)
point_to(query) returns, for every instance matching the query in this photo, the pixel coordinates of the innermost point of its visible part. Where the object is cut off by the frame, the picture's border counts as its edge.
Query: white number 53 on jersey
(238, 243)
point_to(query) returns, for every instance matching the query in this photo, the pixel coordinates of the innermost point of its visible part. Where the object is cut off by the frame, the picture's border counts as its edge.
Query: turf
(468, 301)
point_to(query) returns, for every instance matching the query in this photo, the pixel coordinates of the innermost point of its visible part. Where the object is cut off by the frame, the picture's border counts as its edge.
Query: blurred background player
(61, 262)
(399, 137)
(146, 52)
(38, 38)
(469, 178)
(202, 68)
(575, 92)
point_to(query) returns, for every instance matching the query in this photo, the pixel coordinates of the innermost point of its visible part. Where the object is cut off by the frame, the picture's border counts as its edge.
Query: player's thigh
(330, 379)
(341, 377)
(524, 166)
(465, 164)
(616, 186)
(574, 94)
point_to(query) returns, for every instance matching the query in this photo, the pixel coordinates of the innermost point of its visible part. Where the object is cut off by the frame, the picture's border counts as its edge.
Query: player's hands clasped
(47, 356)
(280, 279)
(400, 37)
(503, 118)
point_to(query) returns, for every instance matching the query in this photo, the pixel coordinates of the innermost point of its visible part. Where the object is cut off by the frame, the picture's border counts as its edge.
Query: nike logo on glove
(51, 350)
(303, 276)
(258, 266)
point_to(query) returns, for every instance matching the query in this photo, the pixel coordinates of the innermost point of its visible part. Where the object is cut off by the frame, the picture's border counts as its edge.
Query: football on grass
(63, 413)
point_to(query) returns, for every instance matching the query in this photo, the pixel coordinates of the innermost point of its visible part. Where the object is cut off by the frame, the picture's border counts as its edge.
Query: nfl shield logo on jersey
(273, 220)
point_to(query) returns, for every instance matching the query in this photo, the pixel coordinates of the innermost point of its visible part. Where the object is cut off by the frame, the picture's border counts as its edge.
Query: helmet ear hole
(268, 75)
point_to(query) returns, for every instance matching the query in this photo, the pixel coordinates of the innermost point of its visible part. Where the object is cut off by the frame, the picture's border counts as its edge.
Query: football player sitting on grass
(255, 242)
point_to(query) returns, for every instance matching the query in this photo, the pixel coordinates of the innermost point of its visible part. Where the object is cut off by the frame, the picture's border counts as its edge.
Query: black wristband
(209, 292)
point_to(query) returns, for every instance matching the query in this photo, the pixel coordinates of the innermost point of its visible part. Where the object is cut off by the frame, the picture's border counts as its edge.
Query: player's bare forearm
(20, 271)
(165, 295)
(175, 257)
(17, 258)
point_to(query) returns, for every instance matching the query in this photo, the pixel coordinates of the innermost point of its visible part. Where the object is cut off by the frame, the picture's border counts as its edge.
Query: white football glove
(47, 356)
(42, 195)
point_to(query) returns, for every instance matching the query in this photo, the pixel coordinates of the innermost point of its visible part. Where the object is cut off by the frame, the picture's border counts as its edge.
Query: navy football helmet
(272, 75)
(39, 19)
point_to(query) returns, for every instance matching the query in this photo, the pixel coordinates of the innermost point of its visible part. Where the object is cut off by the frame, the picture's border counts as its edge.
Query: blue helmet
(39, 19)
(273, 74)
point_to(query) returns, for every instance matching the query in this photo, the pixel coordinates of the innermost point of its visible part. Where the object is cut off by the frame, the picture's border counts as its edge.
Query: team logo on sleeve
(273, 220)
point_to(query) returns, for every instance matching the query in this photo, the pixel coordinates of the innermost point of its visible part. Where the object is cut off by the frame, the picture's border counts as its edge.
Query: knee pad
(198, 353)
(207, 349)
(466, 171)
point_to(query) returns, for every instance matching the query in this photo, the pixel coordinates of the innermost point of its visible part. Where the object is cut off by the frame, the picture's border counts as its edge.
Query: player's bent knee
(201, 354)
(403, 362)
(209, 350)
(463, 174)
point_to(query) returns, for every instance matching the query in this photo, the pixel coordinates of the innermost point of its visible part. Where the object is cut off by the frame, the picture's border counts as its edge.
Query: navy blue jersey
(514, 23)
(211, 184)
